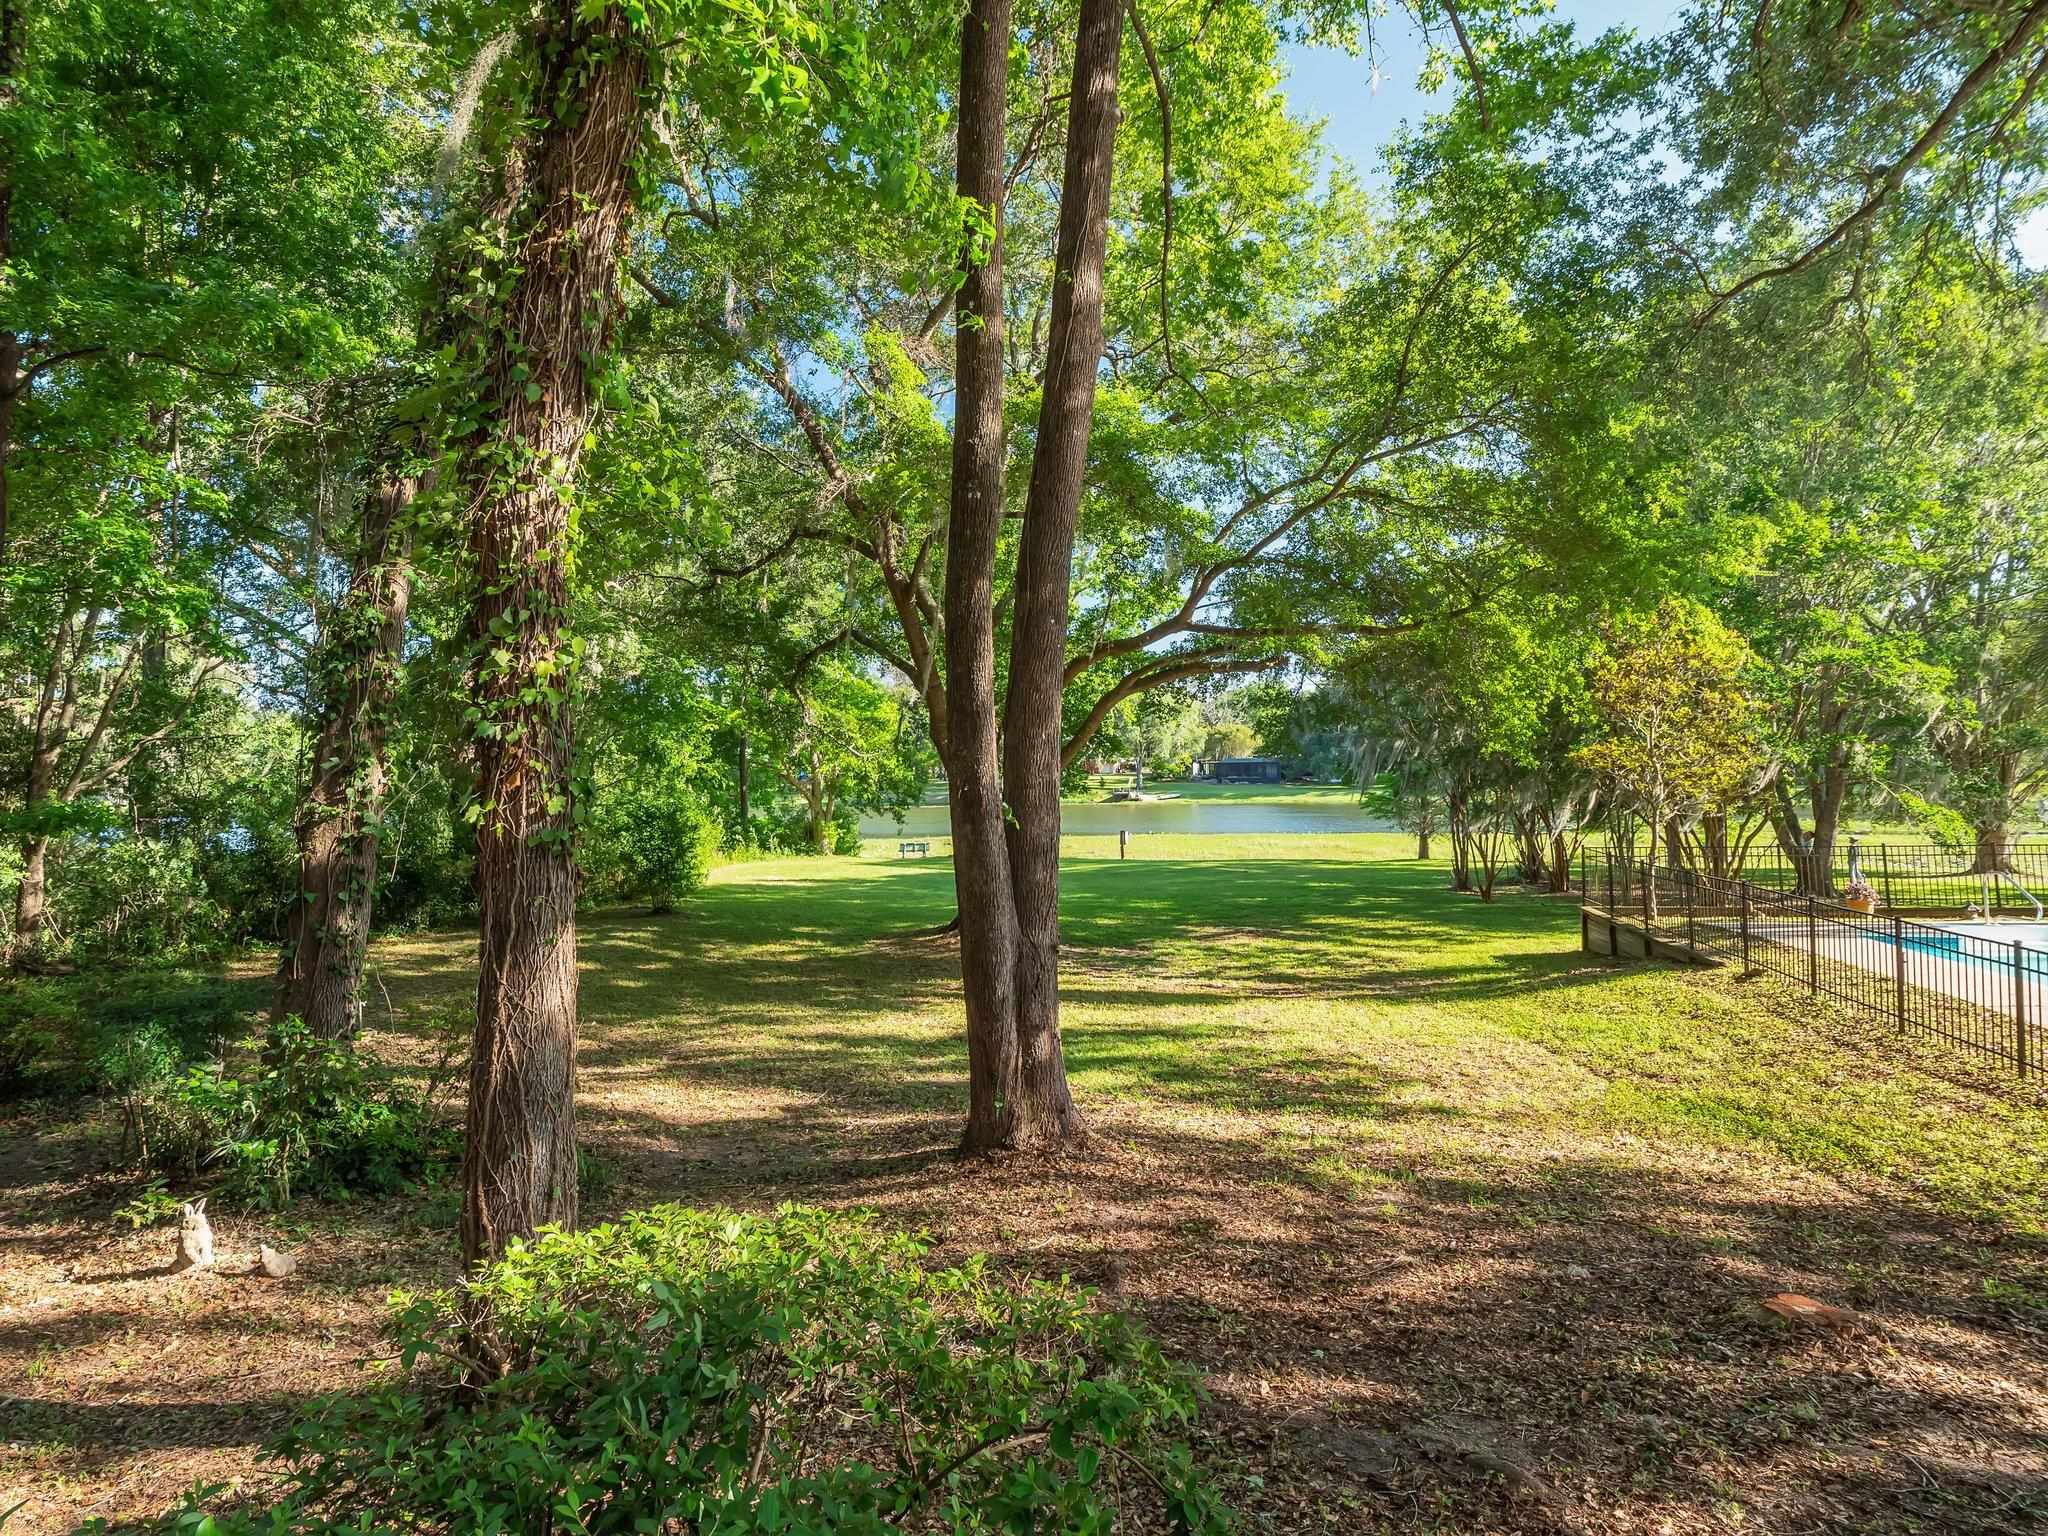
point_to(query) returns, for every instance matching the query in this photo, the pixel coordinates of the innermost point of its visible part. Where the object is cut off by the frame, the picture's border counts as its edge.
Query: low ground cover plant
(708, 1371)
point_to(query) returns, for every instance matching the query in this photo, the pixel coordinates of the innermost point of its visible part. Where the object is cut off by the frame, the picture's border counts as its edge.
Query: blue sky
(1360, 117)
(1331, 84)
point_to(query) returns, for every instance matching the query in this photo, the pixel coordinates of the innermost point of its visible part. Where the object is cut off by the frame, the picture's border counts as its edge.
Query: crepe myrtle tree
(1678, 729)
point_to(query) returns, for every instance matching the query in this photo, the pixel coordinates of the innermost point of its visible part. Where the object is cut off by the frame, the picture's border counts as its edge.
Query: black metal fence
(1964, 982)
(1918, 877)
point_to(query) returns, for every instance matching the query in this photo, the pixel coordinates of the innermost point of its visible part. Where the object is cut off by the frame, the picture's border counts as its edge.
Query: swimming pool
(2033, 935)
(1983, 943)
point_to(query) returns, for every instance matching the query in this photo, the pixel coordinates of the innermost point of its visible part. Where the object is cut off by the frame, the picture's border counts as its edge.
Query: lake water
(1185, 818)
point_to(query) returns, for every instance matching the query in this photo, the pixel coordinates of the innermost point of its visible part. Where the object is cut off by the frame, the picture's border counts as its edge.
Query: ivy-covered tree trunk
(327, 930)
(542, 313)
(974, 786)
(1045, 1111)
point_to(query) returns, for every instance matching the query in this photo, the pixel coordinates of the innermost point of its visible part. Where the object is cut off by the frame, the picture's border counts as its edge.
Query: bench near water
(905, 850)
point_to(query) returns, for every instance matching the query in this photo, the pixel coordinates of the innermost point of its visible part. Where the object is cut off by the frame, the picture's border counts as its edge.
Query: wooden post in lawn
(1123, 843)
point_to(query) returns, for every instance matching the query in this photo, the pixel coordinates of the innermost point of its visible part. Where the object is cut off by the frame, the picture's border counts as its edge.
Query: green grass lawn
(1325, 961)
(1463, 1229)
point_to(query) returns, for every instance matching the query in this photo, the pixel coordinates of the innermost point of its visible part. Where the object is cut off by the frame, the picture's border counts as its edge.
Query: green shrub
(65, 1034)
(140, 1072)
(786, 828)
(430, 888)
(41, 1020)
(311, 1120)
(652, 846)
(595, 1174)
(151, 1206)
(126, 896)
(202, 1015)
(711, 1372)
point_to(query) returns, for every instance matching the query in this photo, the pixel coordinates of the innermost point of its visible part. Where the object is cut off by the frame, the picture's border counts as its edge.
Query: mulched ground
(1555, 1331)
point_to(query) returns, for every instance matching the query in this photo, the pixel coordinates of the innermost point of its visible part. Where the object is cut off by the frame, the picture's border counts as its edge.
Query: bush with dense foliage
(311, 1118)
(651, 845)
(66, 1035)
(712, 1372)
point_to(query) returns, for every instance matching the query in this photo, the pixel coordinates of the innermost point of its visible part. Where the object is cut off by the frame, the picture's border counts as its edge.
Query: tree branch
(1895, 177)
(1472, 64)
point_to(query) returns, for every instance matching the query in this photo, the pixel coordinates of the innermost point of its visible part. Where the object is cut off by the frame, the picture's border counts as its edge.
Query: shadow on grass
(1586, 1319)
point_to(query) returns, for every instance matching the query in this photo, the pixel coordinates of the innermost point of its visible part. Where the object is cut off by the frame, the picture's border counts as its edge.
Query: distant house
(1248, 770)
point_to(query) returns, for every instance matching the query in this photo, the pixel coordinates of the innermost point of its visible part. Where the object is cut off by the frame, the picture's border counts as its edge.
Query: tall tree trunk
(32, 893)
(1994, 829)
(32, 901)
(741, 769)
(1532, 861)
(1994, 848)
(1829, 794)
(13, 385)
(13, 382)
(817, 814)
(1032, 738)
(1422, 842)
(1714, 844)
(564, 204)
(327, 930)
(974, 787)
(1459, 815)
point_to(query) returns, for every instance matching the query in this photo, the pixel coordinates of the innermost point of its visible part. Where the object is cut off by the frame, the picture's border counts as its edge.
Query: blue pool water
(1980, 943)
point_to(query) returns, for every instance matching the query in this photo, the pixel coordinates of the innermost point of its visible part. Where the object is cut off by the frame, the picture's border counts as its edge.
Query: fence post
(1899, 969)
(2019, 1003)
(1692, 947)
(1609, 861)
(1648, 874)
(1884, 870)
(1813, 945)
(1743, 887)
